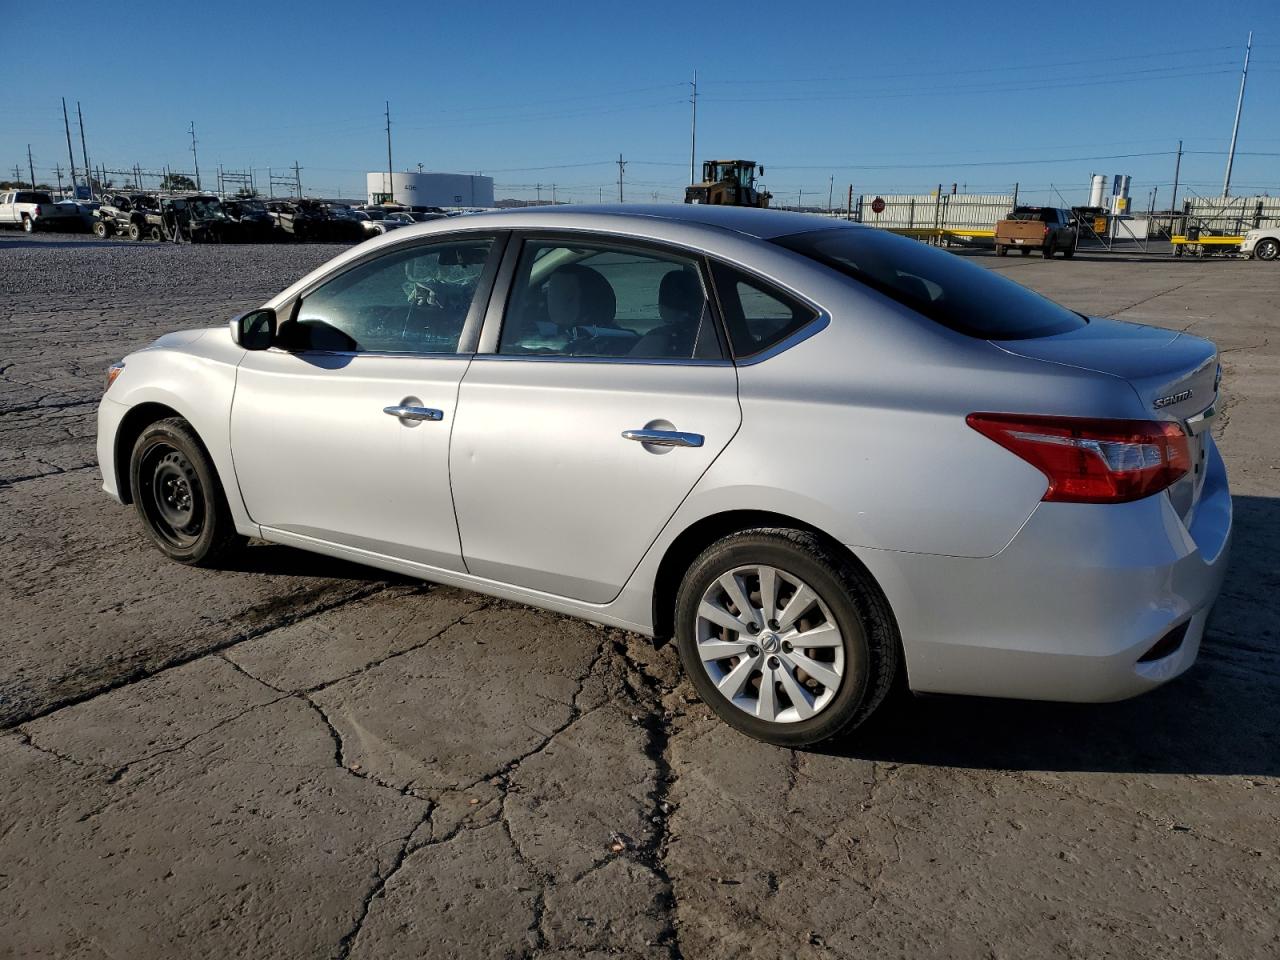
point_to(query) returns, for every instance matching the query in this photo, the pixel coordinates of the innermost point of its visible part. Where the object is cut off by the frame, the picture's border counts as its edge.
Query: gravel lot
(304, 758)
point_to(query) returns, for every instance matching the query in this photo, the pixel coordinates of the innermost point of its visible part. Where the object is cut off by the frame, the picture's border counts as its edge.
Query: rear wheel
(28, 225)
(177, 494)
(1001, 250)
(1025, 251)
(784, 637)
(155, 232)
(1069, 252)
(1267, 249)
(135, 232)
(1047, 250)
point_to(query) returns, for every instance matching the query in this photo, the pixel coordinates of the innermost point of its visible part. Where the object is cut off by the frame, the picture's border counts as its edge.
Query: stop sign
(877, 205)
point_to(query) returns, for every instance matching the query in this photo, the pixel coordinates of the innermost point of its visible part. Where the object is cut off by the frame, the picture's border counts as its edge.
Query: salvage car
(1262, 243)
(34, 210)
(248, 220)
(1047, 229)
(137, 216)
(821, 457)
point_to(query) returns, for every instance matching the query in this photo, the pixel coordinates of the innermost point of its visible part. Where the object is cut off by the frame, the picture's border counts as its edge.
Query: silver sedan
(821, 457)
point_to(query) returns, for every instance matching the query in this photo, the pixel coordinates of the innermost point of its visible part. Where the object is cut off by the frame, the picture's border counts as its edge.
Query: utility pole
(84, 150)
(31, 167)
(693, 132)
(831, 185)
(849, 208)
(538, 188)
(1235, 128)
(57, 170)
(194, 158)
(1173, 200)
(297, 177)
(66, 125)
(622, 166)
(800, 200)
(390, 178)
(553, 194)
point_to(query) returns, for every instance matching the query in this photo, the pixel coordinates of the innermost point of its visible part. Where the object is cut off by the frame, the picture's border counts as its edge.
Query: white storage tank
(1097, 188)
(430, 189)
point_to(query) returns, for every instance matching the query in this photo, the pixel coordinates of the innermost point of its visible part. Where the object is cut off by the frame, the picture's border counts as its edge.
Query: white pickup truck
(34, 210)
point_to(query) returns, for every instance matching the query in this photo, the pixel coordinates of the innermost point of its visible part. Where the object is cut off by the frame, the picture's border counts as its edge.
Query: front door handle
(403, 412)
(664, 438)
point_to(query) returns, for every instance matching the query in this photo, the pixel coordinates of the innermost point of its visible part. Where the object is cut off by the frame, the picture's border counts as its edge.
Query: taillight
(1092, 461)
(39, 212)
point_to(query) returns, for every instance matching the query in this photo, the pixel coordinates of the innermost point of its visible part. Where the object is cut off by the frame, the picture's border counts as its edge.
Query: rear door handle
(403, 412)
(665, 438)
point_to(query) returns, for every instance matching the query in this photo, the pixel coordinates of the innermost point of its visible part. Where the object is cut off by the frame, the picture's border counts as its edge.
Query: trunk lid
(1174, 374)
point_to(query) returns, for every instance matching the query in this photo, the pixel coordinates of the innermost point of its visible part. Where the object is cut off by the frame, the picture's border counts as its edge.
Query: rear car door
(601, 393)
(340, 431)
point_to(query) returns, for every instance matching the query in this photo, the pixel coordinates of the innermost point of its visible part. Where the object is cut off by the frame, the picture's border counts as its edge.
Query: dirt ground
(303, 758)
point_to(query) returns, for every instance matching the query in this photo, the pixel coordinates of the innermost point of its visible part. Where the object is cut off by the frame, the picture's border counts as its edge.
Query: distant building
(430, 189)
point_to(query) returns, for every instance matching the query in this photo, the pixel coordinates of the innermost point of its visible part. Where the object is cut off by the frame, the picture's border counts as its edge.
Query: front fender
(196, 380)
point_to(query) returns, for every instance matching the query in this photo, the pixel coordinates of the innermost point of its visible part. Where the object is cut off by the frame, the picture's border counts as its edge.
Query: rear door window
(757, 315)
(945, 288)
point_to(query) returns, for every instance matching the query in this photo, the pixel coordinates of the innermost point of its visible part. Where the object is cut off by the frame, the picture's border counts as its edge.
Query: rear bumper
(1067, 610)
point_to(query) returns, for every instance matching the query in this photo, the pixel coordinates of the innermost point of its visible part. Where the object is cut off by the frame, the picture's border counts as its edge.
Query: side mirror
(254, 330)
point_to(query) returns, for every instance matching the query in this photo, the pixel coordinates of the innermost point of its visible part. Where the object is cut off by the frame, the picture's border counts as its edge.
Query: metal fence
(1231, 215)
(963, 211)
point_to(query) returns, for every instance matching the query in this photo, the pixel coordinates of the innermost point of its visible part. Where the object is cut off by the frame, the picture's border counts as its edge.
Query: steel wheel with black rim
(784, 636)
(177, 494)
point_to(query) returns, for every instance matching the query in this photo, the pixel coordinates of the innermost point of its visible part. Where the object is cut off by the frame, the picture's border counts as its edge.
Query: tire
(1025, 251)
(28, 225)
(863, 657)
(1046, 251)
(135, 232)
(1070, 252)
(1001, 250)
(177, 494)
(155, 233)
(100, 229)
(1267, 249)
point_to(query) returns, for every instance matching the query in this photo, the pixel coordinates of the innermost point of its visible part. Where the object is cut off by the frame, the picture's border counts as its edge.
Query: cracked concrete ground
(304, 758)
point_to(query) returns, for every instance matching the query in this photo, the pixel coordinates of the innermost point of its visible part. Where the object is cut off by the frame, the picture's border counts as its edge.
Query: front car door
(601, 393)
(340, 432)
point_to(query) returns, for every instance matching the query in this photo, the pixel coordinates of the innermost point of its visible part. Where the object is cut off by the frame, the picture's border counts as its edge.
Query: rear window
(941, 286)
(28, 197)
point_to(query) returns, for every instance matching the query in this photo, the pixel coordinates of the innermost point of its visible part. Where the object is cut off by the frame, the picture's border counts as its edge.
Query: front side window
(941, 286)
(413, 300)
(572, 299)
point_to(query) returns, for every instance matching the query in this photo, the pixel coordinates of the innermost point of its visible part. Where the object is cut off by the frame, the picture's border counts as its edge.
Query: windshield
(206, 208)
(941, 286)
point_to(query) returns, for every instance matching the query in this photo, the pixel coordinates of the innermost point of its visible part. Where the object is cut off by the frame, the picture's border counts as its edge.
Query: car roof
(752, 221)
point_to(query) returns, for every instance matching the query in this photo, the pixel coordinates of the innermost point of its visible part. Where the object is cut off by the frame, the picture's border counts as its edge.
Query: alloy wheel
(770, 644)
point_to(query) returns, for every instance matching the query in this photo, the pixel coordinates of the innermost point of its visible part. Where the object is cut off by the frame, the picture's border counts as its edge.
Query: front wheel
(178, 496)
(100, 229)
(135, 232)
(786, 638)
(1070, 252)
(1267, 249)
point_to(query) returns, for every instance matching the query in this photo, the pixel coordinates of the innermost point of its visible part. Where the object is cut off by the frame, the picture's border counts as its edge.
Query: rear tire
(1025, 251)
(177, 494)
(1070, 252)
(1047, 250)
(155, 233)
(841, 605)
(1001, 250)
(28, 225)
(135, 232)
(1267, 249)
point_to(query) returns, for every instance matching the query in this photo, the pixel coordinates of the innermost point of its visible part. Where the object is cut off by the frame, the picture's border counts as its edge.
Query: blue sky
(891, 97)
